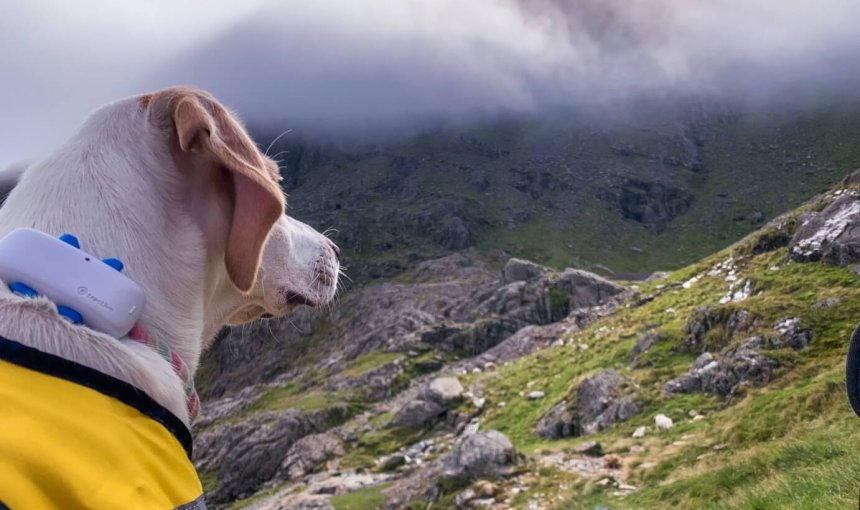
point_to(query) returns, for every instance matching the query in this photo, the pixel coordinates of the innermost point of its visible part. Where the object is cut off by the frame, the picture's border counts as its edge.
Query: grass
(370, 498)
(368, 362)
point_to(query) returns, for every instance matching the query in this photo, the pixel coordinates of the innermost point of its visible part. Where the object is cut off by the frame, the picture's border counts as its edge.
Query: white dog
(171, 184)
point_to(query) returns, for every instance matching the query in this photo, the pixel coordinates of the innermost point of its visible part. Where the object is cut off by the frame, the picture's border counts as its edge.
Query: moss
(370, 498)
(209, 480)
(368, 362)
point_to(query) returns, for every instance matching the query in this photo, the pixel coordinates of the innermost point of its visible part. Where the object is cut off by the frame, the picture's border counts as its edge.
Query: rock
(604, 399)
(650, 203)
(589, 448)
(536, 395)
(392, 463)
(308, 453)
(479, 455)
(486, 489)
(585, 289)
(517, 270)
(852, 179)
(465, 497)
(456, 235)
(557, 423)
(693, 413)
(830, 236)
(249, 453)
(724, 374)
(612, 461)
(417, 413)
(644, 342)
(663, 422)
(640, 432)
(791, 332)
(702, 320)
(444, 390)
(826, 303)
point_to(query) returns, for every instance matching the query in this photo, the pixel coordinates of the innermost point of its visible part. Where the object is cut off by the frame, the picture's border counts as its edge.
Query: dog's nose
(336, 250)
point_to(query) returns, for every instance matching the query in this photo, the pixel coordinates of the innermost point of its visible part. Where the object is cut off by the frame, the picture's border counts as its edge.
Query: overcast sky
(368, 61)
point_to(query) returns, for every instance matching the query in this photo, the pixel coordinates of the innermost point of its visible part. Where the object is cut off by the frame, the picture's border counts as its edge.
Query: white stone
(535, 395)
(446, 388)
(663, 422)
(640, 432)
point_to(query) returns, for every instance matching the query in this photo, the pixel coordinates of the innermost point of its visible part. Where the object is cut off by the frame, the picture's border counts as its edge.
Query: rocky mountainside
(456, 384)
(656, 189)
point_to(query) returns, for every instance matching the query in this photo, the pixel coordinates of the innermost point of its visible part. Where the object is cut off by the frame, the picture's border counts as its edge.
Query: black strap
(34, 359)
(852, 371)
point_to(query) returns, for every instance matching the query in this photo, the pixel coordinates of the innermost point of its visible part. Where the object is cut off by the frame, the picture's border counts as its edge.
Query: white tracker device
(85, 289)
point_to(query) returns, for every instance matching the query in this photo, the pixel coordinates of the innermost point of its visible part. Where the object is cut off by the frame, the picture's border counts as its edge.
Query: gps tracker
(87, 290)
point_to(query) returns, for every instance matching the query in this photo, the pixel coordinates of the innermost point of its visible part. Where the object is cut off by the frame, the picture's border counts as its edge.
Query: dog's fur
(171, 184)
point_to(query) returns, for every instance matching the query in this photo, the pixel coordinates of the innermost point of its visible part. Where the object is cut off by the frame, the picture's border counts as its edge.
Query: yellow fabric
(65, 446)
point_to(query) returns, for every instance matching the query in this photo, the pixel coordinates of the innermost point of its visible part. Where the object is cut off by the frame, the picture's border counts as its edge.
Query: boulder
(589, 448)
(444, 390)
(663, 422)
(536, 395)
(518, 270)
(585, 289)
(418, 413)
(306, 455)
(640, 432)
(557, 423)
(479, 455)
(604, 399)
(832, 235)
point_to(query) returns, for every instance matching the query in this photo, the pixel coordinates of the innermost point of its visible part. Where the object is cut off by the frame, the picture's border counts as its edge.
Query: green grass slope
(790, 444)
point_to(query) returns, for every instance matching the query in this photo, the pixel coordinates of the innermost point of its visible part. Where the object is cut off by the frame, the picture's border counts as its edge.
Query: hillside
(456, 384)
(655, 189)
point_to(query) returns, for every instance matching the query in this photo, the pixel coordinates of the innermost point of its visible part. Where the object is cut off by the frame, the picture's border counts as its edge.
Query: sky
(363, 63)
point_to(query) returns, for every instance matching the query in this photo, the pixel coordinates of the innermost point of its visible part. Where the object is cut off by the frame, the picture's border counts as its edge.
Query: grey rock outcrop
(557, 423)
(519, 270)
(832, 235)
(605, 399)
(418, 413)
(246, 454)
(306, 455)
(479, 455)
(585, 289)
(792, 333)
(722, 375)
(601, 400)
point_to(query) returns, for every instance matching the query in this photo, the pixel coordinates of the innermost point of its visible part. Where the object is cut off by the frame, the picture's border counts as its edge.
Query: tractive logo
(100, 302)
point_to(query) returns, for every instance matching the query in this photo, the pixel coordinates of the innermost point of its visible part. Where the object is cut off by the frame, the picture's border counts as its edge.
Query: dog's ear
(205, 127)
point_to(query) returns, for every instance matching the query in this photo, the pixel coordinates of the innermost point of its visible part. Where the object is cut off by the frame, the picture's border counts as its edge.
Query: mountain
(456, 373)
(654, 189)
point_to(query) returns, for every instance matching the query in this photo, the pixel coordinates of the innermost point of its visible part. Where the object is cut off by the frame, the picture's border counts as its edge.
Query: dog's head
(172, 183)
(272, 263)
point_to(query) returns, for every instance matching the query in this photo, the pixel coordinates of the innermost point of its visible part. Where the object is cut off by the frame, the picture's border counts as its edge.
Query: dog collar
(192, 400)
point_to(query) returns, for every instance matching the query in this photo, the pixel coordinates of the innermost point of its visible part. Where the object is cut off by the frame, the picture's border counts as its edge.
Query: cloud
(343, 62)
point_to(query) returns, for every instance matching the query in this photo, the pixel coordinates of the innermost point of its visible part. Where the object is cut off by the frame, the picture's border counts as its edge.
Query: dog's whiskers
(275, 140)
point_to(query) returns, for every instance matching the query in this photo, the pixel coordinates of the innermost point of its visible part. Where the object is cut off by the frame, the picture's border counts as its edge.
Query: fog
(367, 63)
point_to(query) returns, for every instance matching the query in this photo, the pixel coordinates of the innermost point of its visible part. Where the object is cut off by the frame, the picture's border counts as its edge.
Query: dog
(170, 183)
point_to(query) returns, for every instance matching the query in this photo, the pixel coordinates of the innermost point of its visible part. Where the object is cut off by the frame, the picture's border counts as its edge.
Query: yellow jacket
(74, 438)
